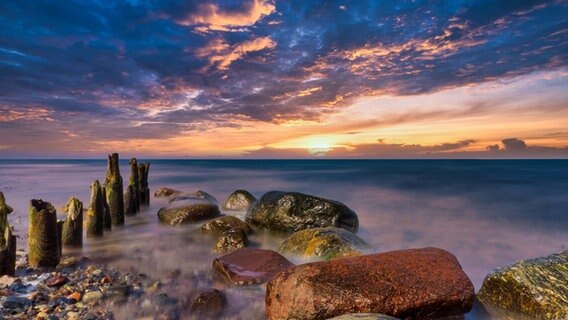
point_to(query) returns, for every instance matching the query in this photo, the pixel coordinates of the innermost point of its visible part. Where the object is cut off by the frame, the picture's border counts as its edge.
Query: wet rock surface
(325, 243)
(231, 240)
(250, 266)
(224, 224)
(535, 288)
(289, 212)
(364, 316)
(239, 200)
(165, 192)
(409, 284)
(188, 210)
(209, 303)
(198, 195)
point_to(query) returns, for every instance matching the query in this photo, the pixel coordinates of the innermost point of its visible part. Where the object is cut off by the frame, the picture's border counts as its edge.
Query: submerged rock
(188, 211)
(364, 316)
(199, 195)
(231, 240)
(250, 266)
(211, 302)
(224, 224)
(292, 211)
(408, 284)
(326, 243)
(240, 200)
(165, 192)
(535, 288)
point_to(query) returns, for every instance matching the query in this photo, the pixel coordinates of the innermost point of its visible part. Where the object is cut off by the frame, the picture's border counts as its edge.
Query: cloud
(211, 17)
(221, 55)
(514, 144)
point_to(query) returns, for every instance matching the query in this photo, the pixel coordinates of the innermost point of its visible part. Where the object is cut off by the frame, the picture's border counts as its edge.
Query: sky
(284, 79)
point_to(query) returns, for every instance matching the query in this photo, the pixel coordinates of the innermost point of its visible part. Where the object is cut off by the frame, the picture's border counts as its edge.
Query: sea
(488, 213)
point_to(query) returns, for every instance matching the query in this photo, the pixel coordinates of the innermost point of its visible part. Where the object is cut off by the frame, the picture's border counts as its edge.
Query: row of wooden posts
(47, 236)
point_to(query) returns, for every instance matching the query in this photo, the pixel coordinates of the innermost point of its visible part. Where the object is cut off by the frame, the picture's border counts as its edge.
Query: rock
(16, 303)
(326, 243)
(56, 281)
(240, 200)
(188, 211)
(250, 266)
(210, 303)
(535, 288)
(165, 192)
(74, 296)
(6, 281)
(292, 211)
(92, 297)
(199, 195)
(226, 223)
(364, 316)
(409, 284)
(73, 315)
(231, 240)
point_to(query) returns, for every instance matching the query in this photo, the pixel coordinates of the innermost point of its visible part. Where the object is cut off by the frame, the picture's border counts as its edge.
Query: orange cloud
(222, 55)
(211, 17)
(32, 113)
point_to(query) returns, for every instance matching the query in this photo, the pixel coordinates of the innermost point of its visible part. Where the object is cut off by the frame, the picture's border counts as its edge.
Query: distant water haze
(488, 213)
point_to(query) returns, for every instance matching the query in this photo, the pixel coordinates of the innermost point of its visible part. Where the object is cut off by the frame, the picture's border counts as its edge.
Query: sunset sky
(284, 79)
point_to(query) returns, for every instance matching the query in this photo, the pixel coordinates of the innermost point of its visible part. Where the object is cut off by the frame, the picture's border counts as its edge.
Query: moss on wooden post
(143, 170)
(107, 219)
(129, 205)
(7, 240)
(114, 191)
(95, 214)
(43, 242)
(134, 182)
(72, 234)
(60, 236)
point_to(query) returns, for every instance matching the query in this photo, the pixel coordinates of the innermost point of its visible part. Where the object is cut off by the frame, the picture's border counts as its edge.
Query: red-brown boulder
(250, 266)
(424, 283)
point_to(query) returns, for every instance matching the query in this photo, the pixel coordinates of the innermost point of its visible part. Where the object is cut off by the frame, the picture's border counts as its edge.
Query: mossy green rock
(288, 212)
(364, 316)
(535, 288)
(240, 200)
(326, 243)
(188, 211)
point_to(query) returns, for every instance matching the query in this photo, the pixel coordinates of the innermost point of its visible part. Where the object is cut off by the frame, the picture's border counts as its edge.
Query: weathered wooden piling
(95, 214)
(143, 170)
(60, 224)
(134, 182)
(7, 240)
(129, 205)
(72, 234)
(43, 242)
(107, 219)
(114, 191)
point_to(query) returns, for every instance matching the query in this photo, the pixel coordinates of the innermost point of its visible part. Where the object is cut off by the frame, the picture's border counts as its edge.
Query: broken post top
(74, 208)
(4, 208)
(96, 194)
(113, 173)
(133, 172)
(40, 206)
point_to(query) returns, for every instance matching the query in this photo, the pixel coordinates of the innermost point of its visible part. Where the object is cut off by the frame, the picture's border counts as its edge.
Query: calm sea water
(488, 213)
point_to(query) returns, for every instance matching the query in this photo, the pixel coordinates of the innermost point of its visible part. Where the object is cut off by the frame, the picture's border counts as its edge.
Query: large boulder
(240, 200)
(188, 210)
(250, 266)
(408, 284)
(537, 288)
(326, 243)
(292, 211)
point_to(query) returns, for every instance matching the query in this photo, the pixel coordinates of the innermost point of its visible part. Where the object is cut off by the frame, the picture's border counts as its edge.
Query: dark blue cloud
(106, 63)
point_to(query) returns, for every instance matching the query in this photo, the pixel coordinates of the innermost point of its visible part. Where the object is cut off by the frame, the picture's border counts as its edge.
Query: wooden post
(7, 241)
(95, 214)
(134, 181)
(107, 219)
(43, 242)
(129, 202)
(114, 191)
(143, 170)
(72, 234)
(60, 224)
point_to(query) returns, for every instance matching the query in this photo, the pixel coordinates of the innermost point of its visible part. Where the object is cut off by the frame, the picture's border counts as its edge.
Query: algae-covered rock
(240, 200)
(43, 242)
(292, 211)
(165, 192)
(231, 240)
(224, 224)
(364, 316)
(200, 194)
(326, 243)
(72, 233)
(188, 211)
(536, 288)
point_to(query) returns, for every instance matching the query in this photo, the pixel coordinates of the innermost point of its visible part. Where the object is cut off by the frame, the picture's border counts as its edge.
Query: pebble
(6, 281)
(57, 281)
(92, 297)
(16, 302)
